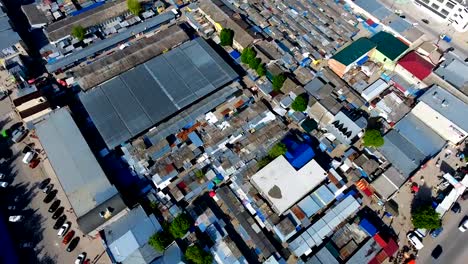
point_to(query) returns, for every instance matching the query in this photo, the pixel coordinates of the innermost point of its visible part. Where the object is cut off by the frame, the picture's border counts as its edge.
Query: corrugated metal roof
(454, 70)
(354, 51)
(151, 92)
(8, 37)
(78, 171)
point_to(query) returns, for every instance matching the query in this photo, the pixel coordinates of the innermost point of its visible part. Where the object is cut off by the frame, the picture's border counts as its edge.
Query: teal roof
(354, 51)
(389, 45)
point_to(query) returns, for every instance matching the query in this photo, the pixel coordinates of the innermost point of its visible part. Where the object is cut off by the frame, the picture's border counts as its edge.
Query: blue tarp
(77, 12)
(196, 140)
(368, 227)
(235, 54)
(362, 61)
(298, 154)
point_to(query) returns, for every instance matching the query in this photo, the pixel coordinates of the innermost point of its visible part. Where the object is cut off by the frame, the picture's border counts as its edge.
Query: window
(440, 1)
(425, 1)
(445, 12)
(435, 6)
(449, 5)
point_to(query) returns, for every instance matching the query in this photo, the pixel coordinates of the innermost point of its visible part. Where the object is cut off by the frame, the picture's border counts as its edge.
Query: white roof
(291, 185)
(374, 90)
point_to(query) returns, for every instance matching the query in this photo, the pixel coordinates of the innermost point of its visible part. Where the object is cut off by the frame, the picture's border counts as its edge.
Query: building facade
(454, 11)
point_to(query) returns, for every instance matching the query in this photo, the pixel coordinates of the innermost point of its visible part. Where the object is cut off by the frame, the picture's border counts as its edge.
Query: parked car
(425, 21)
(44, 183)
(2, 176)
(3, 184)
(33, 164)
(58, 213)
(463, 226)
(64, 229)
(60, 222)
(436, 252)
(87, 261)
(415, 240)
(50, 196)
(436, 232)
(54, 206)
(465, 195)
(16, 218)
(456, 208)
(73, 244)
(28, 157)
(81, 258)
(11, 207)
(68, 237)
(19, 134)
(3, 95)
(47, 189)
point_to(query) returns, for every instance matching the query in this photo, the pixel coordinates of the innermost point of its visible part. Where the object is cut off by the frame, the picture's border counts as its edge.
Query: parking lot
(35, 231)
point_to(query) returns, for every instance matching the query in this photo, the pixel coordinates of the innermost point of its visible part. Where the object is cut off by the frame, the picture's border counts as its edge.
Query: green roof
(354, 51)
(389, 45)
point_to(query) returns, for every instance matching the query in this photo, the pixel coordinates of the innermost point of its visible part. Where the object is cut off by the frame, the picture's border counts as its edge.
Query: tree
(263, 162)
(226, 36)
(372, 138)
(426, 217)
(254, 63)
(300, 103)
(180, 226)
(198, 256)
(161, 240)
(278, 81)
(78, 32)
(247, 55)
(277, 150)
(199, 174)
(134, 7)
(261, 70)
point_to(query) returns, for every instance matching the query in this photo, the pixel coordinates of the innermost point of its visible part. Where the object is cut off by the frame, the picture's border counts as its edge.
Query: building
(444, 113)
(453, 70)
(374, 90)
(343, 129)
(35, 16)
(354, 54)
(453, 11)
(414, 69)
(388, 183)
(283, 186)
(93, 198)
(126, 239)
(389, 49)
(410, 143)
(10, 41)
(156, 90)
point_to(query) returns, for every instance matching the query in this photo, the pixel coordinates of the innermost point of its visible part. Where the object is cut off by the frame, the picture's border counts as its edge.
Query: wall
(410, 77)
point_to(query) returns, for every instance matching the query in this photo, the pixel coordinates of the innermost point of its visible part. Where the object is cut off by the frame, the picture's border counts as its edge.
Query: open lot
(24, 194)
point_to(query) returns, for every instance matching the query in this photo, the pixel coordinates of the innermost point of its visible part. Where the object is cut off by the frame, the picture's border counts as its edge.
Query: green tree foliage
(134, 7)
(263, 162)
(226, 36)
(199, 174)
(426, 217)
(261, 70)
(247, 55)
(278, 81)
(198, 256)
(161, 240)
(180, 226)
(255, 63)
(277, 150)
(300, 103)
(78, 32)
(372, 138)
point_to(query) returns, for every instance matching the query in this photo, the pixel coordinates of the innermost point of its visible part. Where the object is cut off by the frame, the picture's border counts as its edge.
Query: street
(432, 31)
(24, 194)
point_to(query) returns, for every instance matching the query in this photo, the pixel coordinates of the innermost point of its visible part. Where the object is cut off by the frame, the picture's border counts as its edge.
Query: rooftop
(354, 51)
(389, 182)
(446, 104)
(8, 37)
(283, 186)
(389, 45)
(127, 237)
(35, 16)
(453, 69)
(80, 175)
(416, 65)
(132, 102)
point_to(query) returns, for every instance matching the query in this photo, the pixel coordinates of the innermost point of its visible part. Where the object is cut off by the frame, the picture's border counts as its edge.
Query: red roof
(391, 248)
(374, 261)
(380, 240)
(416, 65)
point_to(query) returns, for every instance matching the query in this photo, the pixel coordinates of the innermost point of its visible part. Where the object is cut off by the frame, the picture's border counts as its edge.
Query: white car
(28, 157)
(3, 184)
(415, 240)
(15, 218)
(81, 258)
(463, 226)
(63, 230)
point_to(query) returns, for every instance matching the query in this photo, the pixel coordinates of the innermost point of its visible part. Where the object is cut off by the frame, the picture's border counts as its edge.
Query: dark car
(73, 244)
(54, 206)
(436, 232)
(48, 188)
(60, 222)
(58, 213)
(465, 196)
(436, 252)
(456, 208)
(425, 21)
(28, 148)
(68, 237)
(49, 197)
(44, 183)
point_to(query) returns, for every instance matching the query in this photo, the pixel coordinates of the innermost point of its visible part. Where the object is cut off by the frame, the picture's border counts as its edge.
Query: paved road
(414, 14)
(453, 242)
